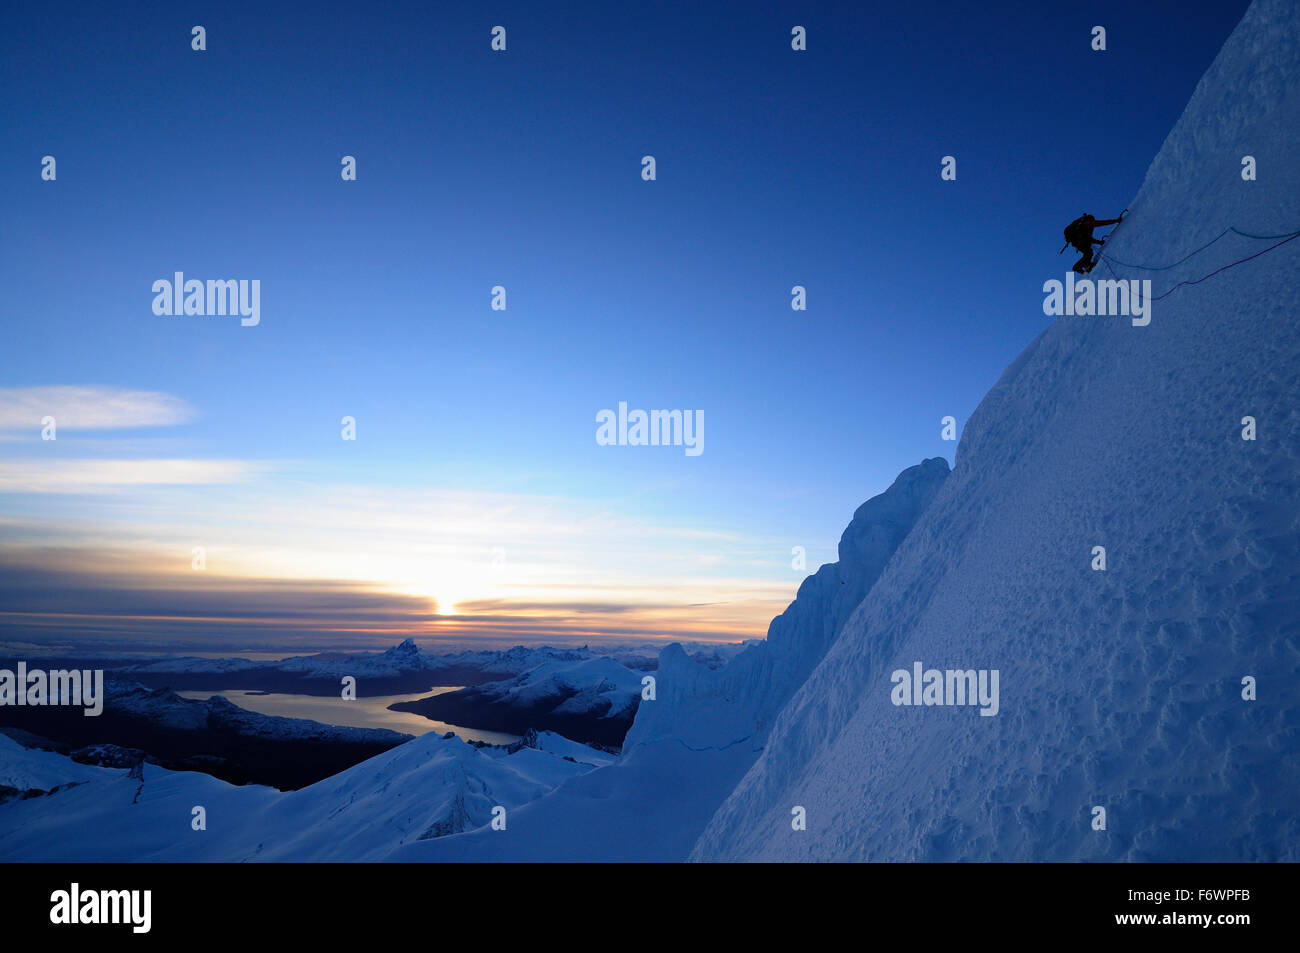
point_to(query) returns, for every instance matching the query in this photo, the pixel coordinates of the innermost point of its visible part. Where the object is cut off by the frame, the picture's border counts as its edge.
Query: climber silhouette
(1079, 234)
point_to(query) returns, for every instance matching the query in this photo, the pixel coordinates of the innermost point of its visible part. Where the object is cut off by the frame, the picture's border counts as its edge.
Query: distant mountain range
(581, 694)
(402, 669)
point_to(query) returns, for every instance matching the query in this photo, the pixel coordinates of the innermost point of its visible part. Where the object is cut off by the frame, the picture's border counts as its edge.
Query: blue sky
(522, 169)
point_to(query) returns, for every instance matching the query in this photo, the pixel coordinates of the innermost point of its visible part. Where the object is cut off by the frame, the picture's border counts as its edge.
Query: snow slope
(1121, 688)
(24, 770)
(429, 787)
(563, 747)
(649, 806)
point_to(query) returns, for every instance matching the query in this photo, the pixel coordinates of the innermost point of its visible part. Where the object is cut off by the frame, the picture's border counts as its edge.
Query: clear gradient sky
(475, 502)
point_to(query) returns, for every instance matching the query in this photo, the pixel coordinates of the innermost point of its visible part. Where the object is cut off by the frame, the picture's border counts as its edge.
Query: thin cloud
(106, 476)
(90, 408)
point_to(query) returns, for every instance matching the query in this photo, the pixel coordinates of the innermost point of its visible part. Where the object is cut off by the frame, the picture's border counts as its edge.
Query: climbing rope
(1285, 236)
(1198, 250)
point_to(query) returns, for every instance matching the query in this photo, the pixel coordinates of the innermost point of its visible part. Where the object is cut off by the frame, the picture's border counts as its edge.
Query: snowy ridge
(706, 708)
(552, 743)
(588, 699)
(1112, 683)
(428, 788)
(598, 686)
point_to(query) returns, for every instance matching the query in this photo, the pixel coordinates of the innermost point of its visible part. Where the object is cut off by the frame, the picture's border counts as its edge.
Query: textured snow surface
(1119, 689)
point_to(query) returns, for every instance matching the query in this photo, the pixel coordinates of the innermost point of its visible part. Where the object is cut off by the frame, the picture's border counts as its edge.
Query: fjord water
(370, 712)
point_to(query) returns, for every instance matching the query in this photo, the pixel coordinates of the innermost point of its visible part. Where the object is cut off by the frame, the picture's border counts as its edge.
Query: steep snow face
(1120, 688)
(708, 708)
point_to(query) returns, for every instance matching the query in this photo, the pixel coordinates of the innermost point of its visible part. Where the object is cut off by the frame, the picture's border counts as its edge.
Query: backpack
(1077, 232)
